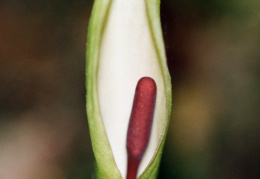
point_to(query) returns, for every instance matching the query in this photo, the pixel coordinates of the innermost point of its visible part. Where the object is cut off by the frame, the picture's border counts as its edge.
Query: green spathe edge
(105, 164)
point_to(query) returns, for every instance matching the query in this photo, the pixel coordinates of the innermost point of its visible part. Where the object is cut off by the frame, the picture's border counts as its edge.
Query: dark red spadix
(140, 123)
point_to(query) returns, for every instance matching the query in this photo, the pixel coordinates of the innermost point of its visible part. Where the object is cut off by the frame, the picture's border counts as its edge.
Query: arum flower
(127, 82)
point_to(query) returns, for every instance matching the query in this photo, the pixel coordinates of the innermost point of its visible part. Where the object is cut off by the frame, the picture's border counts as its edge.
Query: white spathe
(128, 54)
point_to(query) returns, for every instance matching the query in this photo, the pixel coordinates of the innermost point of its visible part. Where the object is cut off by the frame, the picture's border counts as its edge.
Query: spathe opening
(128, 53)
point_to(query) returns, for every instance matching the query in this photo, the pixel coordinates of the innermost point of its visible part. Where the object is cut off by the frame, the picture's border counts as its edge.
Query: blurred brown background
(213, 49)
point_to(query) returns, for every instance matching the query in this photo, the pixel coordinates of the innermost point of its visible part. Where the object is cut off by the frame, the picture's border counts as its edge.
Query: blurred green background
(213, 50)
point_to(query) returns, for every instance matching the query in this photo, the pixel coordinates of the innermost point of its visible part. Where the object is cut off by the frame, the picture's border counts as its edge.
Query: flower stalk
(140, 124)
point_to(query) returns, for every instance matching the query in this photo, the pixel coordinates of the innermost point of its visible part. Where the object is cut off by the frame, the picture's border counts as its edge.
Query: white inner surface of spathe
(127, 54)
